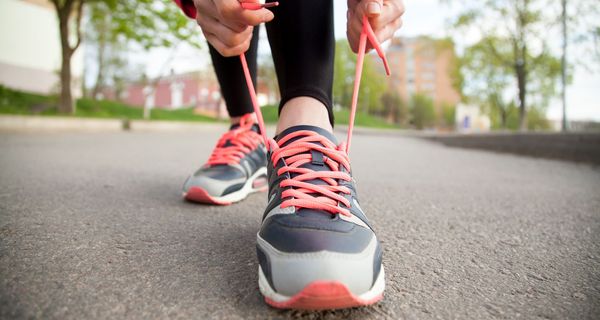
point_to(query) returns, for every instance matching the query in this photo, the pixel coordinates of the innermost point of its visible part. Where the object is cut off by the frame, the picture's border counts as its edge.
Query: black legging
(302, 45)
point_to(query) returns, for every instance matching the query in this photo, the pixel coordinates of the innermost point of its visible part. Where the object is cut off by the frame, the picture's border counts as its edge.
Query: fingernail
(374, 8)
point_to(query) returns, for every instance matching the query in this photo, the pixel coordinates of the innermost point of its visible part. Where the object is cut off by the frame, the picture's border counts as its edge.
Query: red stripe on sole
(197, 194)
(321, 295)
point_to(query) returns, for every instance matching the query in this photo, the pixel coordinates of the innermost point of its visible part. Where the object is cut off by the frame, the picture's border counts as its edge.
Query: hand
(385, 17)
(227, 26)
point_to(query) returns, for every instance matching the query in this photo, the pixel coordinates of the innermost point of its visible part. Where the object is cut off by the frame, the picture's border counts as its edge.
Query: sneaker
(235, 168)
(316, 248)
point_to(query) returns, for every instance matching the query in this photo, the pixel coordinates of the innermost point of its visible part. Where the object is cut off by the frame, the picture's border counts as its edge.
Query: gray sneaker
(236, 167)
(316, 248)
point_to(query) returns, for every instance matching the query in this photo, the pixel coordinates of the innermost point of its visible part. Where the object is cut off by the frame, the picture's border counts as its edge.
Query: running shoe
(316, 248)
(235, 168)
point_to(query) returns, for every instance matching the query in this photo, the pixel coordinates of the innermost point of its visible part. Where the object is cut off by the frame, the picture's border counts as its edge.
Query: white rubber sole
(200, 195)
(345, 298)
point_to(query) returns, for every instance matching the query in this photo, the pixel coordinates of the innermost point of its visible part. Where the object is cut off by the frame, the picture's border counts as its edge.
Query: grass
(22, 103)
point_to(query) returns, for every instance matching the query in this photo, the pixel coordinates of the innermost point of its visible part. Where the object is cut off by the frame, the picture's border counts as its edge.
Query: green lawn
(21, 103)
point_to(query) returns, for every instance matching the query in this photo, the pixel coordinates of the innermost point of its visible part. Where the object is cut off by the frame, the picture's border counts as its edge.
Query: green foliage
(513, 52)
(148, 23)
(17, 102)
(118, 26)
(536, 119)
(372, 85)
(422, 111)
(22, 103)
(394, 108)
(448, 116)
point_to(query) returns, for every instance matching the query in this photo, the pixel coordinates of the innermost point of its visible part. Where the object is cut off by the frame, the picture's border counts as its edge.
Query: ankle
(303, 111)
(236, 120)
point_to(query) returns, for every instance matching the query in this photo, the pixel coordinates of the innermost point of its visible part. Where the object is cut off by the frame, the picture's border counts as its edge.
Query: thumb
(373, 8)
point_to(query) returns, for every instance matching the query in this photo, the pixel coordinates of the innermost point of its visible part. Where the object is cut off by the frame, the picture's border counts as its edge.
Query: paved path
(92, 226)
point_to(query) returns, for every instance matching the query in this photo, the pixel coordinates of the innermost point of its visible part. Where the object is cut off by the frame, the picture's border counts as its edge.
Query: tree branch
(497, 55)
(78, 24)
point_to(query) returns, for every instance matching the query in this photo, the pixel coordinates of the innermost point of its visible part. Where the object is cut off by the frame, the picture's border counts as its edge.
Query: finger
(355, 23)
(254, 17)
(232, 11)
(226, 35)
(224, 49)
(390, 12)
(372, 8)
(385, 33)
(208, 9)
(352, 41)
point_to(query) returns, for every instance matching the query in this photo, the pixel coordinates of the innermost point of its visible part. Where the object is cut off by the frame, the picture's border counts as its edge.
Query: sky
(422, 17)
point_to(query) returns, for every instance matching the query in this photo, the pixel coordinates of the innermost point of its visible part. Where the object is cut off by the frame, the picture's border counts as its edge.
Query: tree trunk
(66, 98)
(503, 118)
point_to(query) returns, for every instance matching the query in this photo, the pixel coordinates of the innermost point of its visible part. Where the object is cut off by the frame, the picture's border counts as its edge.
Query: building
(423, 65)
(30, 51)
(199, 90)
(469, 119)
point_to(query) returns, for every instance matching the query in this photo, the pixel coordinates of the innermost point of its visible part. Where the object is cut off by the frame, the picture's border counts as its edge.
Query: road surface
(92, 225)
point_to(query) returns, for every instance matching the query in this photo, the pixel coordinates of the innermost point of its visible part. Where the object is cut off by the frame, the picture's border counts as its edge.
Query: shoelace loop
(298, 192)
(296, 154)
(236, 143)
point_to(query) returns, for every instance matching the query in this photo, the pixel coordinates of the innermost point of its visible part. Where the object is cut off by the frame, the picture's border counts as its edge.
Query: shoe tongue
(255, 128)
(317, 163)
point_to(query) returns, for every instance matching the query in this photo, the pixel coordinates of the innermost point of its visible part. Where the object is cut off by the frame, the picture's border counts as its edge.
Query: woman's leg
(302, 44)
(231, 79)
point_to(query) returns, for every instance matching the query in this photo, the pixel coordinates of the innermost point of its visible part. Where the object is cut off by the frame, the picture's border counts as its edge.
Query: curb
(16, 123)
(571, 146)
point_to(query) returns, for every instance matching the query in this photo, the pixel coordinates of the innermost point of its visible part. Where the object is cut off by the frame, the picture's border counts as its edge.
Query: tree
(118, 26)
(422, 111)
(69, 13)
(514, 37)
(448, 117)
(583, 27)
(372, 85)
(394, 109)
(268, 76)
(488, 82)
(148, 23)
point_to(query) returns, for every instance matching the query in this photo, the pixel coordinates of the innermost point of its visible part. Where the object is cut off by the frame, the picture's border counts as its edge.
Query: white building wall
(469, 119)
(30, 53)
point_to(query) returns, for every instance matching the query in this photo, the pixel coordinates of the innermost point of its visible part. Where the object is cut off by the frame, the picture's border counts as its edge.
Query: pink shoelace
(236, 143)
(302, 194)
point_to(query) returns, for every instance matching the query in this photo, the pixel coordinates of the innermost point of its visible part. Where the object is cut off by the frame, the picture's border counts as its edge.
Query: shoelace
(302, 194)
(235, 143)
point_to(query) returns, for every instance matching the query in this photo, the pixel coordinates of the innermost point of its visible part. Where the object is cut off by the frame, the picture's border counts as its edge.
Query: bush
(448, 116)
(422, 111)
(394, 109)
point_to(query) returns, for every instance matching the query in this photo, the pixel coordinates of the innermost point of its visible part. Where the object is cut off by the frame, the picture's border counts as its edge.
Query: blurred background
(467, 66)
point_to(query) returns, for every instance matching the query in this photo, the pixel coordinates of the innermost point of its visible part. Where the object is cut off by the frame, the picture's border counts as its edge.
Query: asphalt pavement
(92, 225)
